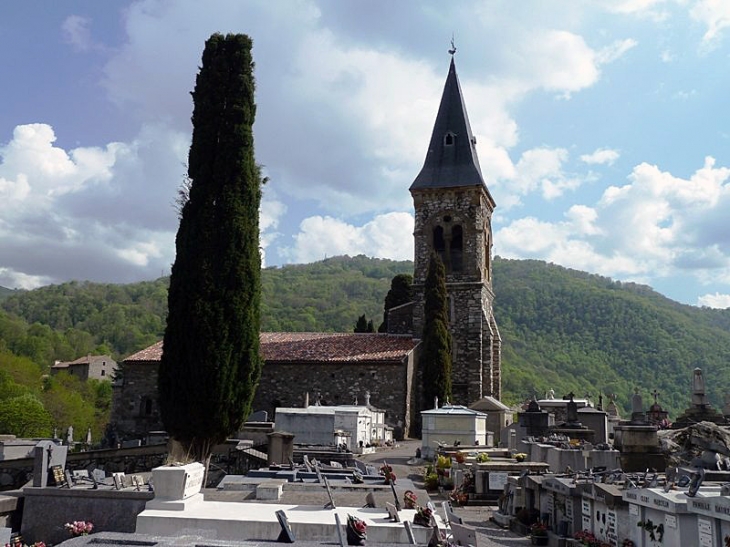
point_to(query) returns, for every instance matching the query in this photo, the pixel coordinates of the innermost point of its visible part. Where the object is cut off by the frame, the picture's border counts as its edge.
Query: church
(453, 218)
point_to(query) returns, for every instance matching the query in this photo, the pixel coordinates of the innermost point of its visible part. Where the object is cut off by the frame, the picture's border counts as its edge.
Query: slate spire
(451, 159)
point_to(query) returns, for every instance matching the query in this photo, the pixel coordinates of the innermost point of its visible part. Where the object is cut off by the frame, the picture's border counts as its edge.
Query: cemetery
(565, 472)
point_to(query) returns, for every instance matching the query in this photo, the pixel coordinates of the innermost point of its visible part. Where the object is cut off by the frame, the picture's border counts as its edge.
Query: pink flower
(79, 528)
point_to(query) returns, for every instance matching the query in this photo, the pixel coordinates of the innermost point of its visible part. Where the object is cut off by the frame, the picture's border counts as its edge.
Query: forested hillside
(562, 329)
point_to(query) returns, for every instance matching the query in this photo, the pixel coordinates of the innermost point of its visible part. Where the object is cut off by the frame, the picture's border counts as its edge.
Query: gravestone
(700, 409)
(286, 535)
(119, 480)
(45, 455)
(177, 486)
(395, 496)
(464, 535)
(370, 500)
(392, 512)
(331, 503)
(98, 474)
(409, 533)
(258, 416)
(338, 527)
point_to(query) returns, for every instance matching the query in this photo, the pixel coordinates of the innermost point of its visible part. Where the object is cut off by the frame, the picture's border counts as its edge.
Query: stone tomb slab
(270, 490)
(258, 521)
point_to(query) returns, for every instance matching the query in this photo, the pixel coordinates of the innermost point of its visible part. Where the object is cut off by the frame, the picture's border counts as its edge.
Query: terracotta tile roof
(152, 353)
(334, 347)
(319, 347)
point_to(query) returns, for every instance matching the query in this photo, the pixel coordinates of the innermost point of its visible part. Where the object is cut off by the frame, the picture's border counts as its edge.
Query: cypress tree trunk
(210, 364)
(435, 356)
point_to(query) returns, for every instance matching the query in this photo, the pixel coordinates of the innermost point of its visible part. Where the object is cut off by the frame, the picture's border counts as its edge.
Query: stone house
(337, 367)
(97, 367)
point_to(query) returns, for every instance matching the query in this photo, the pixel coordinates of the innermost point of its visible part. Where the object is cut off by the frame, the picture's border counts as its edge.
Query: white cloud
(656, 225)
(89, 212)
(601, 156)
(715, 15)
(386, 236)
(615, 51)
(76, 32)
(716, 300)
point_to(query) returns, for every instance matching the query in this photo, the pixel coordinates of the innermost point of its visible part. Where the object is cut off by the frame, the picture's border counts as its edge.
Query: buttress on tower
(453, 217)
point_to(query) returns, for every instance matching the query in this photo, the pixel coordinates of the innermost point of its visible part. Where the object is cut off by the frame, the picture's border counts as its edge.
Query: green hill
(5, 292)
(562, 329)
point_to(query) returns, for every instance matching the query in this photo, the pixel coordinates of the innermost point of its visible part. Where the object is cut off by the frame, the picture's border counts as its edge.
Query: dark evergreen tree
(210, 363)
(362, 324)
(435, 358)
(400, 293)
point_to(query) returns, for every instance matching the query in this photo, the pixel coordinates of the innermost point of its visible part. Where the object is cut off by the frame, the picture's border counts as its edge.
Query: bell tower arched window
(439, 243)
(448, 243)
(457, 248)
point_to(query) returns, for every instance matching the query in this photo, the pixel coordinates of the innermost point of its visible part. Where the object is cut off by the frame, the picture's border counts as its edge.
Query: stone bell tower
(453, 217)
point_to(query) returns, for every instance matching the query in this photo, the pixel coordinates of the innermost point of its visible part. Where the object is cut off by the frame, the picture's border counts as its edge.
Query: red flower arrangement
(79, 528)
(387, 472)
(409, 499)
(423, 516)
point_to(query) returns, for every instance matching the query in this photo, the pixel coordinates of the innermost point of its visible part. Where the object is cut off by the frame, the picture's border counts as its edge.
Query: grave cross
(656, 394)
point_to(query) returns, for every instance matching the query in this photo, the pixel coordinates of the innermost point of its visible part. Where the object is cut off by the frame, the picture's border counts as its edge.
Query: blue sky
(602, 129)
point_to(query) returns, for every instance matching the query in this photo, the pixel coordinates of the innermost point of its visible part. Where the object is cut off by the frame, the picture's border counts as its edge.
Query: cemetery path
(401, 457)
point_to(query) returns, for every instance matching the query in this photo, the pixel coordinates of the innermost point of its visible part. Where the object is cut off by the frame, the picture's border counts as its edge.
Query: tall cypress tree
(435, 355)
(210, 363)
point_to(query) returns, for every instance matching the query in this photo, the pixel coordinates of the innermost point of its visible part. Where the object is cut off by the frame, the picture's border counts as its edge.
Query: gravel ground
(402, 459)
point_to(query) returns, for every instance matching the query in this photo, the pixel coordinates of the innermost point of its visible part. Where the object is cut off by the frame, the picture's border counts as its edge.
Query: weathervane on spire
(453, 47)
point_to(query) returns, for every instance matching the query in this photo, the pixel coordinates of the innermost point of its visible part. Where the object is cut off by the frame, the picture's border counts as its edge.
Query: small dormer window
(449, 139)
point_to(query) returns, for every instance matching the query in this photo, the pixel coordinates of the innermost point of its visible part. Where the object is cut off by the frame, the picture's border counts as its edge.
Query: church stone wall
(389, 384)
(135, 411)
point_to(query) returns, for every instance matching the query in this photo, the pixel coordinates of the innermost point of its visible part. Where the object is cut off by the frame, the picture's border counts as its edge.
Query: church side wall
(285, 385)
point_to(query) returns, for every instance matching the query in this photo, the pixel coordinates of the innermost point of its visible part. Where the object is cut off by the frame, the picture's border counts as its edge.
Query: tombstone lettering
(59, 479)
